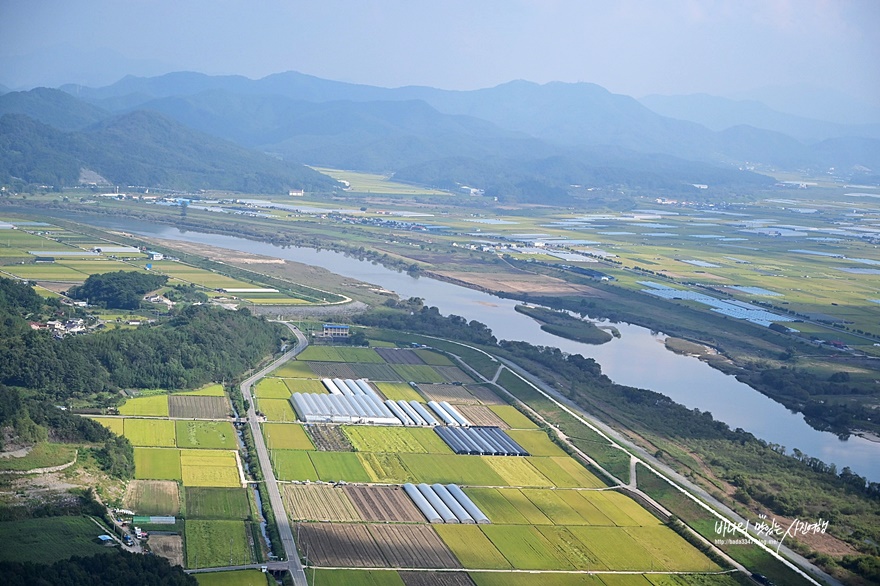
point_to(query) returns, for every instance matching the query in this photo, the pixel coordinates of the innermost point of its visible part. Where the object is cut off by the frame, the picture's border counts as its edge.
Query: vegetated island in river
(560, 323)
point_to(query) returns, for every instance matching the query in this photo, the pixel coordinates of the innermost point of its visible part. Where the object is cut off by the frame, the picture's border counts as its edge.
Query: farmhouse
(334, 331)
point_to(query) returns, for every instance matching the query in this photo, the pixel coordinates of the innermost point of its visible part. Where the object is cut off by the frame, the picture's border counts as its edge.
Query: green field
(513, 417)
(271, 388)
(150, 432)
(527, 548)
(621, 509)
(45, 272)
(419, 373)
(49, 539)
(294, 369)
(114, 424)
(235, 578)
(293, 465)
(537, 443)
(495, 506)
(565, 472)
(157, 464)
(340, 354)
(42, 455)
(152, 406)
(217, 543)
(471, 546)
(399, 392)
(217, 503)
(286, 436)
(562, 507)
(203, 277)
(385, 468)
(516, 471)
(214, 390)
(334, 466)
(206, 434)
(463, 470)
(276, 409)
(366, 438)
(305, 385)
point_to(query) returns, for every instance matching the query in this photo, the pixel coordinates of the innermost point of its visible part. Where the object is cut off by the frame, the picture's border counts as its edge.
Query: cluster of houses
(60, 328)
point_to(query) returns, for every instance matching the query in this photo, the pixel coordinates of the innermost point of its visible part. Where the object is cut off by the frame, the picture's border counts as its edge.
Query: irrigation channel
(638, 358)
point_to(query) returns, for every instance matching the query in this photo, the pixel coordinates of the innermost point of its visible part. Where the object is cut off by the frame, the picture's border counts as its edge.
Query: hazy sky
(634, 47)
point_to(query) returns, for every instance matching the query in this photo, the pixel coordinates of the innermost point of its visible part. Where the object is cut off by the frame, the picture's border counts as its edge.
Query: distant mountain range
(145, 149)
(722, 113)
(518, 139)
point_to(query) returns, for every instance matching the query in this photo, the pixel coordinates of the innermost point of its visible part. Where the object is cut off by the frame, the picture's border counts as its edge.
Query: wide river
(638, 358)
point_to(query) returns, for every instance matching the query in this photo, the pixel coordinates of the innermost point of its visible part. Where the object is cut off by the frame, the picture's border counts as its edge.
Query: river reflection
(638, 358)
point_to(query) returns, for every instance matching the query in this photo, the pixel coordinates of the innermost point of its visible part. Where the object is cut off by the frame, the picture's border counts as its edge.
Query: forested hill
(201, 344)
(143, 148)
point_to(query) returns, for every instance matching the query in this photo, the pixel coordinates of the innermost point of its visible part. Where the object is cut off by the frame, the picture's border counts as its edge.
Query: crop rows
(482, 415)
(384, 504)
(201, 407)
(399, 356)
(455, 394)
(319, 502)
(373, 372)
(375, 546)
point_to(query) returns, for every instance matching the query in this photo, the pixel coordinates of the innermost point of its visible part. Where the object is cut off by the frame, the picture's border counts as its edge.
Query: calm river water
(638, 358)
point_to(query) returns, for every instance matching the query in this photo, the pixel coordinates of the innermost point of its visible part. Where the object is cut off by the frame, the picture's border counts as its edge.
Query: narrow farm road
(287, 542)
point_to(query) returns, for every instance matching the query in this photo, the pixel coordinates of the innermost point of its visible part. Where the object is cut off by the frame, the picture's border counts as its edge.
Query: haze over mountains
(518, 139)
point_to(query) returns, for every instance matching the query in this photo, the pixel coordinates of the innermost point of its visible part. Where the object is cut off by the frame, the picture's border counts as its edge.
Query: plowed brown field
(200, 407)
(455, 394)
(481, 415)
(413, 546)
(384, 504)
(335, 545)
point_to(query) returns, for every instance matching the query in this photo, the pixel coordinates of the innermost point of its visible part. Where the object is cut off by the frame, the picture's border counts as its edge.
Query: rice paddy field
(152, 406)
(280, 436)
(548, 511)
(217, 503)
(217, 543)
(206, 434)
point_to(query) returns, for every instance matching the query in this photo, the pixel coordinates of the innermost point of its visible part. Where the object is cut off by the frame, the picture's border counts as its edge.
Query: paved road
(281, 519)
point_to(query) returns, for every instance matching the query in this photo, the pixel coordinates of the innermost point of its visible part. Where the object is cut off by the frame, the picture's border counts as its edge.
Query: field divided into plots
(375, 546)
(547, 511)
